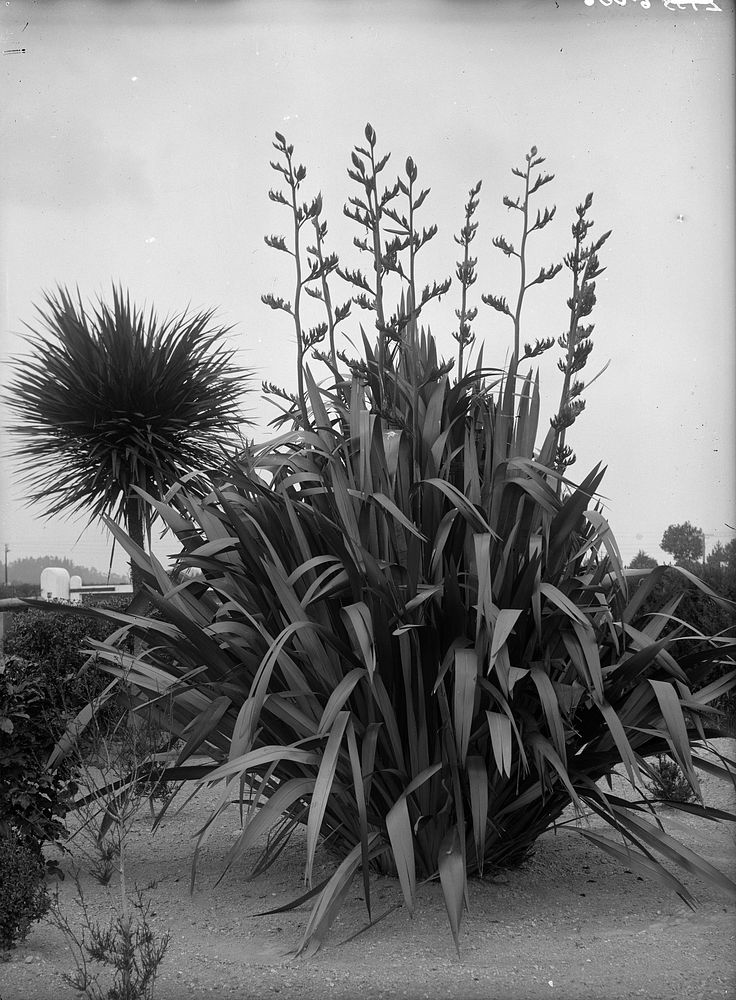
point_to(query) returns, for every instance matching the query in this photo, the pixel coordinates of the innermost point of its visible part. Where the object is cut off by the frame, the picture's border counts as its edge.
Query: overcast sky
(136, 140)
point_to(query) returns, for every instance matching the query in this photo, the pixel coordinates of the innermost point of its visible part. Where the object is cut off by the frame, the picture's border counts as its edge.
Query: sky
(136, 140)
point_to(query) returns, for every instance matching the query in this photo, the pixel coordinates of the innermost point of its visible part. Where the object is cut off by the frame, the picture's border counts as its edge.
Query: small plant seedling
(668, 781)
(116, 960)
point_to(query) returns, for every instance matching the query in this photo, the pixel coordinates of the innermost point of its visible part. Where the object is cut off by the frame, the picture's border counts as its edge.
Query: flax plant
(312, 267)
(410, 632)
(576, 342)
(466, 275)
(522, 205)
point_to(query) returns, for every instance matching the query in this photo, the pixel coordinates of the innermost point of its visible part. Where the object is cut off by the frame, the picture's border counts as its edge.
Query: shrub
(23, 894)
(410, 630)
(117, 768)
(692, 603)
(668, 782)
(54, 640)
(34, 798)
(117, 959)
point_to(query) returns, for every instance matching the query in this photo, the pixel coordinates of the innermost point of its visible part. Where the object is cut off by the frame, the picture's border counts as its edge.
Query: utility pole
(2, 614)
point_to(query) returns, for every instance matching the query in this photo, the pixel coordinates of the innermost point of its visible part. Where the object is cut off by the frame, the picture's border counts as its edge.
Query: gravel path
(571, 923)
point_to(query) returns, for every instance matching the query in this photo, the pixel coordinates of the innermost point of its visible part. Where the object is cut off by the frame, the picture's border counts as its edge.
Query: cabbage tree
(111, 399)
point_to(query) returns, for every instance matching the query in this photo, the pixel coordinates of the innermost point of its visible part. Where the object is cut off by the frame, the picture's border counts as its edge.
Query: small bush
(23, 894)
(668, 782)
(55, 641)
(117, 770)
(703, 614)
(34, 799)
(117, 960)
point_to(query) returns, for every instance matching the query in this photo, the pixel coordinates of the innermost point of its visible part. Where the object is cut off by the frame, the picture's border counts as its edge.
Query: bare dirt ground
(572, 923)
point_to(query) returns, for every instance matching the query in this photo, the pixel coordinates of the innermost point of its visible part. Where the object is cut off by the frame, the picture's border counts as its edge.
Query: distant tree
(642, 561)
(111, 399)
(684, 542)
(720, 568)
(717, 556)
(723, 556)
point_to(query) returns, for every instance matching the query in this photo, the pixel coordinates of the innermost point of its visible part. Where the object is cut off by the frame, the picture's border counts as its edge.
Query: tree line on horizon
(28, 569)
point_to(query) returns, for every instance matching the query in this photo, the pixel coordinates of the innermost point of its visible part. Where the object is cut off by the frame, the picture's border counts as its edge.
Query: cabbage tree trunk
(135, 527)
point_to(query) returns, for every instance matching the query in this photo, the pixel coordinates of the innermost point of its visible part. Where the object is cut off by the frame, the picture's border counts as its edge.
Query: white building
(57, 585)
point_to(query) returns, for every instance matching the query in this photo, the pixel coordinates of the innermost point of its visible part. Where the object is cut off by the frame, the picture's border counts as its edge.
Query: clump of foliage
(54, 642)
(410, 631)
(643, 561)
(668, 782)
(34, 798)
(102, 867)
(680, 586)
(118, 767)
(23, 894)
(19, 590)
(115, 960)
(684, 542)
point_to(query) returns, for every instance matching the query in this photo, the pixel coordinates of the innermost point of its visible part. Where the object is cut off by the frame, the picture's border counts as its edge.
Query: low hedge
(54, 641)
